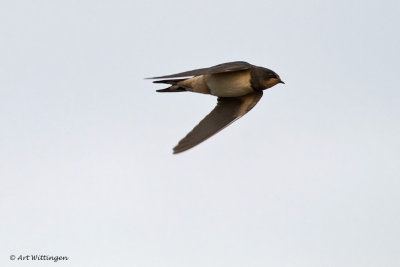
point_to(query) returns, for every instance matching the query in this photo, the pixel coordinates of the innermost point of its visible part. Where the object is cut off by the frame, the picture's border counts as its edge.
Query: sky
(309, 177)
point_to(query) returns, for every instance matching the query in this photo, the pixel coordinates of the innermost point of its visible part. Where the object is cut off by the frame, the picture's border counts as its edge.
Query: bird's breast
(230, 84)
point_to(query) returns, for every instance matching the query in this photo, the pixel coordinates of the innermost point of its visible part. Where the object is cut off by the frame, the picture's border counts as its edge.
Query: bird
(238, 85)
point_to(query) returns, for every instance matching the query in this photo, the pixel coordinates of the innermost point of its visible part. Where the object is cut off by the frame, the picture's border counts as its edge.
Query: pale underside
(227, 84)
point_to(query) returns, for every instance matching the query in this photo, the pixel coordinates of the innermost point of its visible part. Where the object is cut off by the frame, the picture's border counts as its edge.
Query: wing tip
(177, 149)
(183, 146)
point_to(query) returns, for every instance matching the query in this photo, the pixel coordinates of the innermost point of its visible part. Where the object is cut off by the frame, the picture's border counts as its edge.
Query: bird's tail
(174, 85)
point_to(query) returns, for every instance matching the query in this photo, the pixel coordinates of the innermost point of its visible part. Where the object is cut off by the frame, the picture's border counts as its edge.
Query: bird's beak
(281, 82)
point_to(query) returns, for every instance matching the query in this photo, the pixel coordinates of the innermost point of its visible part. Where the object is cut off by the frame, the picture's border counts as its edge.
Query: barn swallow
(238, 86)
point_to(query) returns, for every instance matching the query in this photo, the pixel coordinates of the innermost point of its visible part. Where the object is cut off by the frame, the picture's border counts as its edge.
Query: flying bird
(238, 86)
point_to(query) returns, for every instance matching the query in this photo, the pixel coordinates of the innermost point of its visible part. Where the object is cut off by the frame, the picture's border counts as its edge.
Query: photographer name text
(38, 258)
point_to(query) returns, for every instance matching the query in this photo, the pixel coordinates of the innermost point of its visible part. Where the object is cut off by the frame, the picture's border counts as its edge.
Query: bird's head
(263, 78)
(270, 78)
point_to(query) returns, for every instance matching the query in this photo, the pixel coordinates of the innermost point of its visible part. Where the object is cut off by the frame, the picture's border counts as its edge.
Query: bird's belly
(231, 84)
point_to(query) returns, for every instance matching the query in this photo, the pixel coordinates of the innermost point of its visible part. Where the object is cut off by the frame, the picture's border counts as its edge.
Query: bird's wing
(225, 67)
(228, 109)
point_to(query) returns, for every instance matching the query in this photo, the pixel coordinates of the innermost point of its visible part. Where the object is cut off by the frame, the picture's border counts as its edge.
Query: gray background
(310, 177)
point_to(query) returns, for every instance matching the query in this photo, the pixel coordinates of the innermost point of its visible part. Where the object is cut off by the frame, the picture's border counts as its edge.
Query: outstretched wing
(228, 110)
(225, 67)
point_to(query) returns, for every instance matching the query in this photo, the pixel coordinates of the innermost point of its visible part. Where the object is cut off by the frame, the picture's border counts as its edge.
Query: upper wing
(225, 67)
(228, 109)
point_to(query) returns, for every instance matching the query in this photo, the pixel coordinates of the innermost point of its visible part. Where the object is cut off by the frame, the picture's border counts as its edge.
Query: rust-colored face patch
(271, 82)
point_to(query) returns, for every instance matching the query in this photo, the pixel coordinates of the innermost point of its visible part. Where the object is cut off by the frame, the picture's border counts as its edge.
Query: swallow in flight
(238, 86)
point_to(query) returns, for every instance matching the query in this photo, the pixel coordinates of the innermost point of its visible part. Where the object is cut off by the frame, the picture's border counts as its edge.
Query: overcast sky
(309, 177)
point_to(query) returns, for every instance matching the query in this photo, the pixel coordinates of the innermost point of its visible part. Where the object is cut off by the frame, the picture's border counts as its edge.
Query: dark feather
(225, 67)
(228, 109)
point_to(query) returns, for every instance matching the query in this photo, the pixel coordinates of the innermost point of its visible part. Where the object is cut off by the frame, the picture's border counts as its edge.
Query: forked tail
(174, 85)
